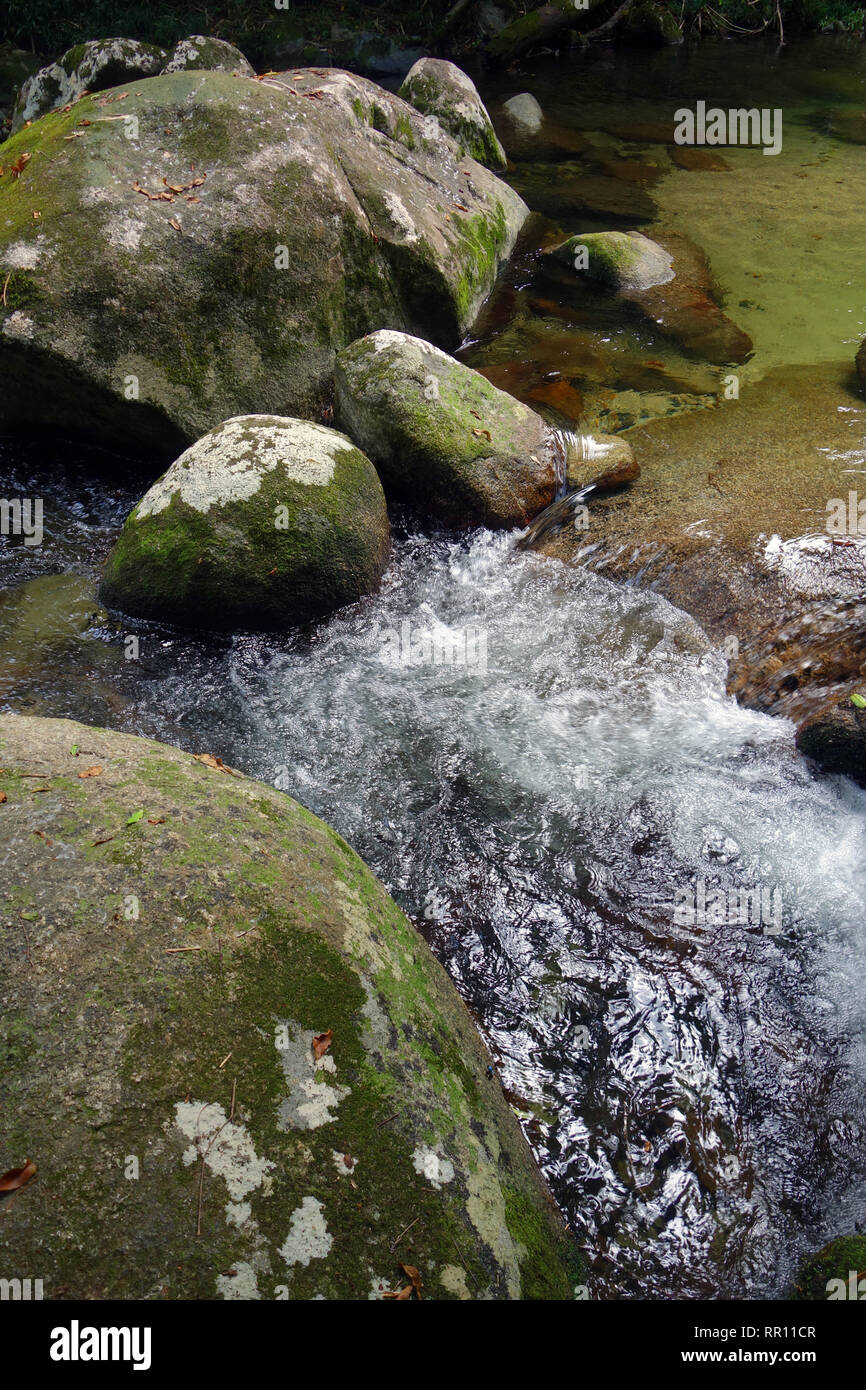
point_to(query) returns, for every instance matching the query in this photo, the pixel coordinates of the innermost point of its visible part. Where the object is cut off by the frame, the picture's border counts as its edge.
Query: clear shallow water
(695, 1090)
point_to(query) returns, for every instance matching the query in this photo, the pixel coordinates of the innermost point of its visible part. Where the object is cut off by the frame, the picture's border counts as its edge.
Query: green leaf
(858, 701)
(136, 816)
(73, 752)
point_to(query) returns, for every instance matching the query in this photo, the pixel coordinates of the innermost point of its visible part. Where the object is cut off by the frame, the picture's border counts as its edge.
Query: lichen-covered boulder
(238, 1069)
(88, 67)
(438, 88)
(667, 279)
(835, 738)
(201, 54)
(264, 523)
(205, 242)
(441, 435)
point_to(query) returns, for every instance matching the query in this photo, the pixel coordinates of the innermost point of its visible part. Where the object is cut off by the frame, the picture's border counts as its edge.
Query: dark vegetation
(260, 29)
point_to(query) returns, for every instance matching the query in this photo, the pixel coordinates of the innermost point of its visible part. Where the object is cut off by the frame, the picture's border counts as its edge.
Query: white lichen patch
(453, 1280)
(435, 1167)
(399, 217)
(18, 326)
(224, 1145)
(358, 938)
(485, 1208)
(310, 1100)
(238, 1213)
(308, 1237)
(123, 231)
(240, 1283)
(229, 463)
(24, 255)
(345, 1164)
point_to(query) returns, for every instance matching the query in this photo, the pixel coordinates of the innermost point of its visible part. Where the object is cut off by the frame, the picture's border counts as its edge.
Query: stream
(653, 907)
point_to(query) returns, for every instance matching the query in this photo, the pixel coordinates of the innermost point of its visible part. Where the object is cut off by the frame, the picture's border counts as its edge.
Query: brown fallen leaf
(106, 841)
(210, 761)
(94, 771)
(17, 1177)
(475, 413)
(161, 821)
(402, 1296)
(2, 798)
(20, 164)
(173, 222)
(43, 836)
(321, 1043)
(483, 433)
(415, 1275)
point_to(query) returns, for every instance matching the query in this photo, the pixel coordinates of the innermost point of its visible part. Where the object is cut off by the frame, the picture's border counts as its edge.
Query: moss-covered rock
(623, 260)
(205, 242)
(88, 67)
(264, 523)
(438, 88)
(176, 937)
(835, 737)
(441, 435)
(835, 1273)
(201, 54)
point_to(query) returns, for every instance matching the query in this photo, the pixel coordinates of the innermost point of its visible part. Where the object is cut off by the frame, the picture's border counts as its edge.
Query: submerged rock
(860, 361)
(239, 1070)
(441, 435)
(835, 738)
(438, 88)
(264, 523)
(667, 279)
(203, 256)
(717, 528)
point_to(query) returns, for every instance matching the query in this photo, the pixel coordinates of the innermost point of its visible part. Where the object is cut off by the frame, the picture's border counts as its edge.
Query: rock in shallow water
(264, 523)
(667, 279)
(160, 1004)
(204, 255)
(441, 435)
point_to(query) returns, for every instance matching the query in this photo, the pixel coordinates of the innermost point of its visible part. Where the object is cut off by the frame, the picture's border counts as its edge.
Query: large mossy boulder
(438, 88)
(264, 523)
(206, 242)
(443, 437)
(200, 53)
(238, 1069)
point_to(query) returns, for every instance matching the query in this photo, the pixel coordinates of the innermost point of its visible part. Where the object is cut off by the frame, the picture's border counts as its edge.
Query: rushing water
(545, 806)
